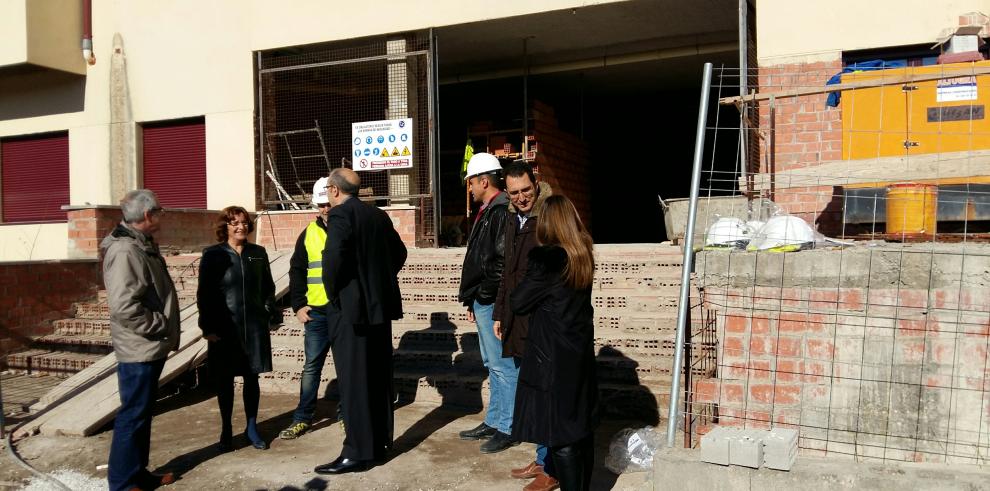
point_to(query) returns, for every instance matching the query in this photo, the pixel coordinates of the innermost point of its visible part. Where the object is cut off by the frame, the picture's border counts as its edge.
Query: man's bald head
(345, 180)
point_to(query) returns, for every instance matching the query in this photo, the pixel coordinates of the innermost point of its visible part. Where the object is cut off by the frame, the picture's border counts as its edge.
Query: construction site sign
(375, 144)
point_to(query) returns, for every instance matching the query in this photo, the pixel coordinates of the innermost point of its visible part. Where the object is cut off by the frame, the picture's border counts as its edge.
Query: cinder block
(746, 449)
(715, 446)
(780, 447)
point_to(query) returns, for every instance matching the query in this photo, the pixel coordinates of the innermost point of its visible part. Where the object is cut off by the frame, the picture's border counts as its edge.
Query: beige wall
(33, 242)
(55, 34)
(189, 58)
(13, 31)
(817, 30)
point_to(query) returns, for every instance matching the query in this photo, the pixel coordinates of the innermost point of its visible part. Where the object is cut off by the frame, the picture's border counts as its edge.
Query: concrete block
(780, 447)
(746, 449)
(715, 446)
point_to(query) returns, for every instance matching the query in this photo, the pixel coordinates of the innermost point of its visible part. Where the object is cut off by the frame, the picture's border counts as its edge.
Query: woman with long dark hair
(236, 299)
(557, 394)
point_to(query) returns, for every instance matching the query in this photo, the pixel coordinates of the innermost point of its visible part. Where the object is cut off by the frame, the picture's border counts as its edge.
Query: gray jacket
(144, 308)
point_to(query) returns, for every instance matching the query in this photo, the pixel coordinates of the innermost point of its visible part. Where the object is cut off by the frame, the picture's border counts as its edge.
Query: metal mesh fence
(846, 268)
(309, 97)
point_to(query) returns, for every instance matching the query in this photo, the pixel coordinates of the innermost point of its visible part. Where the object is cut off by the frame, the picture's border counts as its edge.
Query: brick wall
(34, 293)
(181, 229)
(805, 133)
(278, 230)
(860, 365)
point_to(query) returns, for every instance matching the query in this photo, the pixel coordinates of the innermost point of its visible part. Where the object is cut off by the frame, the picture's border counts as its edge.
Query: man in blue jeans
(309, 301)
(480, 278)
(144, 325)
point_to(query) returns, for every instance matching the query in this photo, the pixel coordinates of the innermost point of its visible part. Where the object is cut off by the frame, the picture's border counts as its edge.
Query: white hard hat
(726, 231)
(482, 163)
(320, 191)
(782, 231)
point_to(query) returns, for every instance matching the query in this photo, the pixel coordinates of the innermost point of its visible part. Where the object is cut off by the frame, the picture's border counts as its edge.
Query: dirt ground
(427, 454)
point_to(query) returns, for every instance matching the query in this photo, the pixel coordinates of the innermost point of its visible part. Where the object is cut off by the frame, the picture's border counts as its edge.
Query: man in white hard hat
(480, 278)
(309, 301)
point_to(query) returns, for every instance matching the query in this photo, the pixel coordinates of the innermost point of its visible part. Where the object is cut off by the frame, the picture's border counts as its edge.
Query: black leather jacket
(236, 299)
(485, 258)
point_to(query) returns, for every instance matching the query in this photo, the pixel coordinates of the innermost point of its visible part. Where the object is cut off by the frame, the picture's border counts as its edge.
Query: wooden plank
(96, 397)
(866, 84)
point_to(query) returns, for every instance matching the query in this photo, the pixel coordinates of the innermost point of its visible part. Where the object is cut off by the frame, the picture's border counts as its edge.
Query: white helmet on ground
(482, 163)
(320, 192)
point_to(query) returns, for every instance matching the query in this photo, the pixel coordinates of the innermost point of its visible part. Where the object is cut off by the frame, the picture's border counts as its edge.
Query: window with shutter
(174, 162)
(34, 178)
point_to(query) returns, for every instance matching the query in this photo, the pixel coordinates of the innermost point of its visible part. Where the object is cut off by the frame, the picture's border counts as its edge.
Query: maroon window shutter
(174, 159)
(35, 178)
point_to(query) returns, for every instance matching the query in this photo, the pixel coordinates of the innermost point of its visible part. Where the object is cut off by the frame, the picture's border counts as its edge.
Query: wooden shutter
(35, 178)
(174, 157)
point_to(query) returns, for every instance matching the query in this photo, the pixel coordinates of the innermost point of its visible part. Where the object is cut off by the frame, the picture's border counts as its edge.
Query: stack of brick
(775, 449)
(436, 348)
(562, 160)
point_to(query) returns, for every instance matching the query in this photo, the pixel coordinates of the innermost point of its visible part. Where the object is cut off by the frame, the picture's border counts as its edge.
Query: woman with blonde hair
(557, 394)
(236, 299)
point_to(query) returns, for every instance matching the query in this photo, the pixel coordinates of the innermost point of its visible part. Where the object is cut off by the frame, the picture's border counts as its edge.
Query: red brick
(788, 346)
(735, 323)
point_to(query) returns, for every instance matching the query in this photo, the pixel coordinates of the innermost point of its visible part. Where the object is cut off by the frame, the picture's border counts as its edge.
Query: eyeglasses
(157, 211)
(323, 205)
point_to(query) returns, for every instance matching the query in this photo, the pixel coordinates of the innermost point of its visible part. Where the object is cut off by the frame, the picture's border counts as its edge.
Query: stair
(80, 341)
(436, 355)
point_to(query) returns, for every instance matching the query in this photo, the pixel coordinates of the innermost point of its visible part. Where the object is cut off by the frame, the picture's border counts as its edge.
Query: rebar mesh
(310, 96)
(868, 331)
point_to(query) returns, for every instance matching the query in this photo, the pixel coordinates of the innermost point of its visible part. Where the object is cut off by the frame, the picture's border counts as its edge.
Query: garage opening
(611, 98)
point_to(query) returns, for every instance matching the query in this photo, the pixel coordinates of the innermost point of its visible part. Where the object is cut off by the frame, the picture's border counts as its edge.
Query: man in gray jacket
(144, 325)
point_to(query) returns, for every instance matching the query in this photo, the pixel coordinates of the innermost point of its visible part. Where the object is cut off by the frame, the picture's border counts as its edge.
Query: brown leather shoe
(530, 471)
(543, 482)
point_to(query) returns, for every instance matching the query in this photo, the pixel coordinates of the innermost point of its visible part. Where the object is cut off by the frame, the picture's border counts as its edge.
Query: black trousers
(362, 355)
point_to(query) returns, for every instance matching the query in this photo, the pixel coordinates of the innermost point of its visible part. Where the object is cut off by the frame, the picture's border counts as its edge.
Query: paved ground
(427, 455)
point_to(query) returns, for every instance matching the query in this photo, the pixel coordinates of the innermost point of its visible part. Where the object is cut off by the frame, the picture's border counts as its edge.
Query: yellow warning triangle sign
(405, 152)
(395, 151)
(384, 152)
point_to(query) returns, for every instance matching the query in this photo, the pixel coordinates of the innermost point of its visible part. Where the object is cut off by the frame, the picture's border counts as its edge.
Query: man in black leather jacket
(480, 278)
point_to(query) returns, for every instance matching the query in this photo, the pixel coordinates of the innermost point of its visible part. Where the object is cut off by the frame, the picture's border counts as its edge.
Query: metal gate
(309, 96)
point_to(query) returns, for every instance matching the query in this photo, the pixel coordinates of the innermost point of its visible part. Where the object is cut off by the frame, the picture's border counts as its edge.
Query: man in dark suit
(361, 261)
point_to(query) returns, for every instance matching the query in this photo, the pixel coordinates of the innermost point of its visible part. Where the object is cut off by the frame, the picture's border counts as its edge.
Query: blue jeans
(138, 389)
(317, 343)
(503, 372)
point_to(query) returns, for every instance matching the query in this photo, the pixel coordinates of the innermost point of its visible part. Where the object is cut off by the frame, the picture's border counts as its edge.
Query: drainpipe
(87, 37)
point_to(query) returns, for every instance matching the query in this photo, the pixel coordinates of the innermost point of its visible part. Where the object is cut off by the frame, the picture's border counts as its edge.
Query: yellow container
(911, 209)
(933, 116)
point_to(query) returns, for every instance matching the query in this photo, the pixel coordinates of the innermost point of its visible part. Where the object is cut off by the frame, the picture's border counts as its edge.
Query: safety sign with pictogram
(368, 137)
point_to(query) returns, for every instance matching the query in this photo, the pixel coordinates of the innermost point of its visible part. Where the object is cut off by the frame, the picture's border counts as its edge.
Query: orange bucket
(911, 209)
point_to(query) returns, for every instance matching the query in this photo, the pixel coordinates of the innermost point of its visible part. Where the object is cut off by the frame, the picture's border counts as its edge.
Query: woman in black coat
(557, 393)
(236, 299)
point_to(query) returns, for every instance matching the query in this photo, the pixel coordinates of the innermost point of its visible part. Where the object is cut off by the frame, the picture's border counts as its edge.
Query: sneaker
(295, 431)
(480, 432)
(499, 442)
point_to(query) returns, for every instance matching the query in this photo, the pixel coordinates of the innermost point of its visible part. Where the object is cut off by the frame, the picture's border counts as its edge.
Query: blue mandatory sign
(391, 138)
(402, 124)
(367, 152)
(357, 141)
(381, 139)
(404, 137)
(368, 140)
(375, 151)
(357, 153)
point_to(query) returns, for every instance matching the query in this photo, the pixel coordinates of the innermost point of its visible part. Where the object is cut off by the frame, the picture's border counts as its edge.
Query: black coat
(236, 300)
(557, 394)
(361, 262)
(485, 257)
(518, 243)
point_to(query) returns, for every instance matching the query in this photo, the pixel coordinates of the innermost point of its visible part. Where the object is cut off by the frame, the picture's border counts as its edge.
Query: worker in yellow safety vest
(309, 302)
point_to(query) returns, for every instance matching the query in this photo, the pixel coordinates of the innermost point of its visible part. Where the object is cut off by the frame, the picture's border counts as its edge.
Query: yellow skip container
(911, 209)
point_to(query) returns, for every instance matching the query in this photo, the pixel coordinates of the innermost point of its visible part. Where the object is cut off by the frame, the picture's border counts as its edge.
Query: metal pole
(743, 85)
(686, 267)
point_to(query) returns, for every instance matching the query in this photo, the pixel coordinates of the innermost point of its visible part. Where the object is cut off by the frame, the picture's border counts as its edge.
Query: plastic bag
(632, 449)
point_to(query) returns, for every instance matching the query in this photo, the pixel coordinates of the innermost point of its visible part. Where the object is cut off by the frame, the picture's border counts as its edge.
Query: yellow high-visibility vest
(316, 240)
